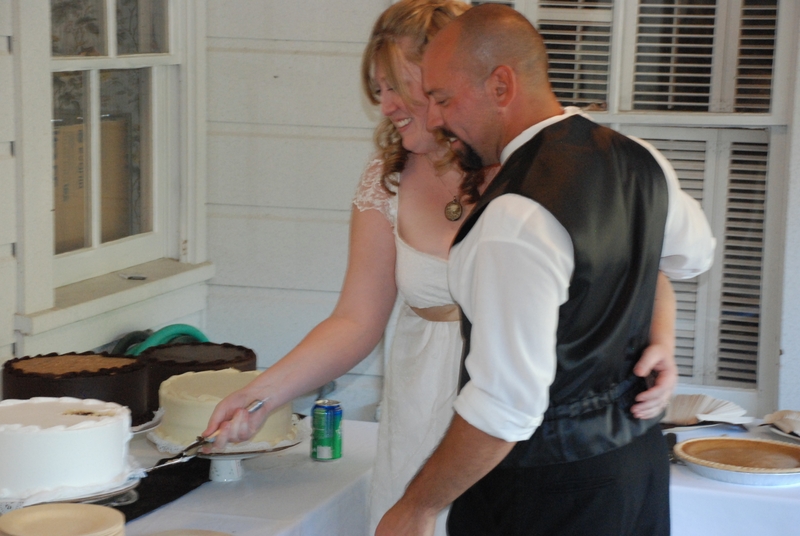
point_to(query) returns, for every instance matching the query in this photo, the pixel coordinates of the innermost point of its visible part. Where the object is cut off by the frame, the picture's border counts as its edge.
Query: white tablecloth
(289, 494)
(704, 507)
(284, 493)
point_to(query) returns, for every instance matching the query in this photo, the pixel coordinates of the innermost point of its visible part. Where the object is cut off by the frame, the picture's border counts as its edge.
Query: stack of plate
(63, 519)
(785, 422)
(689, 410)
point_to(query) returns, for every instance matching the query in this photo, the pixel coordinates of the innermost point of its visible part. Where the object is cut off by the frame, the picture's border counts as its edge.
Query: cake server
(184, 456)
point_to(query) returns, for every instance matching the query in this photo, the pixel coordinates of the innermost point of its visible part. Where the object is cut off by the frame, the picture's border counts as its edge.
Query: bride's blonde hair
(414, 23)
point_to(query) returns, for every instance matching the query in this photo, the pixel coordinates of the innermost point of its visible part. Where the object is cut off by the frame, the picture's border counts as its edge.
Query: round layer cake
(87, 375)
(172, 359)
(62, 443)
(189, 399)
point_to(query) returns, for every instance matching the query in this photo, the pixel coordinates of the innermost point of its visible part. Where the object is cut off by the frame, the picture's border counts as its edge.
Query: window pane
(141, 26)
(125, 186)
(70, 161)
(78, 27)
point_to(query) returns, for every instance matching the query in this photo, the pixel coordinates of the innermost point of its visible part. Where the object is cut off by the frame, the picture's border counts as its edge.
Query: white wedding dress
(421, 370)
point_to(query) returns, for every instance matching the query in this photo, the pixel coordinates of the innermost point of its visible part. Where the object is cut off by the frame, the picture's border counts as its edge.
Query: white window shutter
(578, 39)
(742, 251)
(688, 157)
(674, 54)
(701, 56)
(756, 56)
(717, 325)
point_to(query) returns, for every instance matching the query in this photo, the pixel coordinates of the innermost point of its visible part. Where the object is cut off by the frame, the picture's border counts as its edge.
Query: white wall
(8, 223)
(789, 381)
(288, 136)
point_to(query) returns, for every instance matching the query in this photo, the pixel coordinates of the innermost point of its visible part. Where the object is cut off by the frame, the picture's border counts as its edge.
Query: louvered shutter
(742, 265)
(756, 58)
(688, 157)
(577, 34)
(673, 55)
(718, 322)
(701, 56)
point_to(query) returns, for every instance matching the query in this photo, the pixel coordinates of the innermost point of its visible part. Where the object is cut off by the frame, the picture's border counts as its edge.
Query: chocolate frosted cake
(166, 361)
(87, 375)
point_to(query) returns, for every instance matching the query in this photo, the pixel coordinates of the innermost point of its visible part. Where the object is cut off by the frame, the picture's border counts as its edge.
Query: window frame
(100, 258)
(180, 180)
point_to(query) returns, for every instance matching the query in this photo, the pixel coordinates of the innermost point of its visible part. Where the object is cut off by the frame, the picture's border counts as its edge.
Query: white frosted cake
(52, 443)
(189, 399)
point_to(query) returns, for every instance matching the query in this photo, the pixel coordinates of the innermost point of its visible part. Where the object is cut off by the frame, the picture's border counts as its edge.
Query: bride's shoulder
(371, 192)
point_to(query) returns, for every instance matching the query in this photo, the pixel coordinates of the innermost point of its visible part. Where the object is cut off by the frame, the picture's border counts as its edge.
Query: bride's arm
(659, 357)
(336, 344)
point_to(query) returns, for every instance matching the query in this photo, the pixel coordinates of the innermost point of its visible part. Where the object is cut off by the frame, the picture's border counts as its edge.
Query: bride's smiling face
(407, 114)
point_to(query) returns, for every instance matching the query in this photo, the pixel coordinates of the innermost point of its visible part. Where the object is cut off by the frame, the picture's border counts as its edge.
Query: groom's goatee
(468, 159)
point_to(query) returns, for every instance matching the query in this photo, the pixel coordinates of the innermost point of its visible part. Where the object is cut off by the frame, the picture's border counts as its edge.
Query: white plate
(150, 425)
(755, 462)
(243, 455)
(691, 410)
(666, 427)
(60, 519)
(104, 495)
(782, 433)
(9, 505)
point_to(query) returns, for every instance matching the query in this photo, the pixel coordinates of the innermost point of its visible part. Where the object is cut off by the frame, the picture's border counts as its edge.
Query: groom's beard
(468, 159)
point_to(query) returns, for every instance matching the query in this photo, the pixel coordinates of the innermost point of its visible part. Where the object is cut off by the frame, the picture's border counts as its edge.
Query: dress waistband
(439, 313)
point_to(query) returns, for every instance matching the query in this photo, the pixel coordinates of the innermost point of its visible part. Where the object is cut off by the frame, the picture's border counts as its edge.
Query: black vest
(610, 195)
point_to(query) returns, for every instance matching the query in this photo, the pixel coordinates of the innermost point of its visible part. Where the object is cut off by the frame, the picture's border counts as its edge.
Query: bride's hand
(233, 421)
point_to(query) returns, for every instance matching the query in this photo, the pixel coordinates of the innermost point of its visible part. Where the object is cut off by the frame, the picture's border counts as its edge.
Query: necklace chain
(453, 209)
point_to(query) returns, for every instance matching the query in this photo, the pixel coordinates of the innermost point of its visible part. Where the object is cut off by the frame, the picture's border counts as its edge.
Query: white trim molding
(55, 310)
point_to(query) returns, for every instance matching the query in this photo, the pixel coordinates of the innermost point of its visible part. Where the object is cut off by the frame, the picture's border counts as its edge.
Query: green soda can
(326, 433)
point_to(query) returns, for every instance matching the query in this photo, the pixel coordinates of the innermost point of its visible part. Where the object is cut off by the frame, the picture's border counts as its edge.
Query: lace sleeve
(371, 194)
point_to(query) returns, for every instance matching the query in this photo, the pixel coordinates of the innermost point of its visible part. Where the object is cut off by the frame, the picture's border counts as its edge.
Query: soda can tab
(326, 433)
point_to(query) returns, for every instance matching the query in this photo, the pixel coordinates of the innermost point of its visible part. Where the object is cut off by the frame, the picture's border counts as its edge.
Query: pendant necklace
(453, 209)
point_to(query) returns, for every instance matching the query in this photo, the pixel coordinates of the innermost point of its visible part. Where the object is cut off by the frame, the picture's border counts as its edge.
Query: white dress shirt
(511, 273)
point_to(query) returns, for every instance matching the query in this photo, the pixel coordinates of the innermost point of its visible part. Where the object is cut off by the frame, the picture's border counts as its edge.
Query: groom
(555, 271)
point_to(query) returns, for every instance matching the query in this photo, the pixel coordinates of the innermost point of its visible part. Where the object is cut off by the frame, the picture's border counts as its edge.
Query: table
(284, 493)
(289, 494)
(704, 507)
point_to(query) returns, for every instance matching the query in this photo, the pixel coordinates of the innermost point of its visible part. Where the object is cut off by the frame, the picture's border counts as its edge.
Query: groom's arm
(464, 456)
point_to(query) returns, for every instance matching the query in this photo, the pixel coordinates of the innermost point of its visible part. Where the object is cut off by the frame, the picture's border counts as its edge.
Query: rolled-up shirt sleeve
(688, 248)
(511, 274)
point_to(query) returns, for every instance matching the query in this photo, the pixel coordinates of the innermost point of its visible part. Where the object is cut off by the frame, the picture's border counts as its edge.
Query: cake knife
(184, 456)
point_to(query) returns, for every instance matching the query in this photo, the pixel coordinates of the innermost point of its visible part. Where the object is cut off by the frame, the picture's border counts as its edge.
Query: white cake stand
(227, 466)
